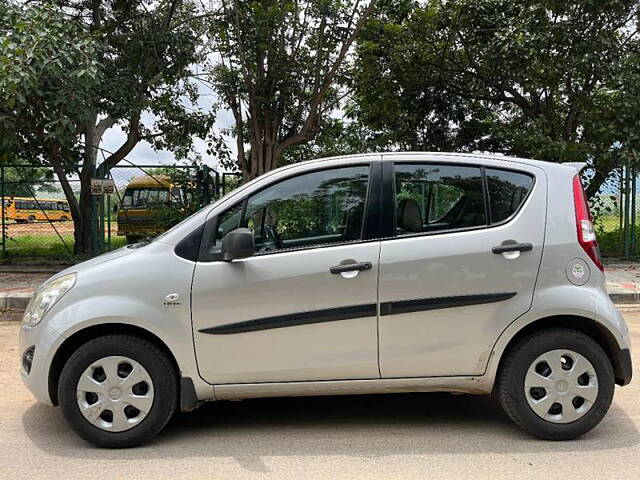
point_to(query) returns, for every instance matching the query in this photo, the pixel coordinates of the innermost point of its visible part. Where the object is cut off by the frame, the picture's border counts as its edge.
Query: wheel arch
(80, 337)
(599, 333)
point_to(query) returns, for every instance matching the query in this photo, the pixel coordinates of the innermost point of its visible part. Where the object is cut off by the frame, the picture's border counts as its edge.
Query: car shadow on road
(359, 426)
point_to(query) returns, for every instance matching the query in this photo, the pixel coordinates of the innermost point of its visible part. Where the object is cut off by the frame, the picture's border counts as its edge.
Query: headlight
(46, 297)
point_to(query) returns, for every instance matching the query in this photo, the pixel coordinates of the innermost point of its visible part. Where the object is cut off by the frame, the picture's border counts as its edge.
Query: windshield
(143, 197)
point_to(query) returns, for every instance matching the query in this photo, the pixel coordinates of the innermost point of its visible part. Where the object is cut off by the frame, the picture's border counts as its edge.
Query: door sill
(240, 391)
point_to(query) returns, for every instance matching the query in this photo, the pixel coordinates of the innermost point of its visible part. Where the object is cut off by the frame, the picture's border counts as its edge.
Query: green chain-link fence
(616, 215)
(148, 199)
(141, 201)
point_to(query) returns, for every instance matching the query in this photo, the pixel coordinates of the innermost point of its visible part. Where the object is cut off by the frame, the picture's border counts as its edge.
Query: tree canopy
(280, 67)
(70, 70)
(555, 81)
(547, 79)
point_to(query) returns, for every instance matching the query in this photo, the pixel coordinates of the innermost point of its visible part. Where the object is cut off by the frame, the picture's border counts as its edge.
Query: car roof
(453, 157)
(160, 181)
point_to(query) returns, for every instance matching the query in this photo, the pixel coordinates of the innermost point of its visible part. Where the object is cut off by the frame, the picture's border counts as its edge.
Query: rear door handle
(512, 247)
(350, 267)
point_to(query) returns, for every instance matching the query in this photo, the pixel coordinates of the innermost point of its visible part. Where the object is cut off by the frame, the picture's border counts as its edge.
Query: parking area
(391, 436)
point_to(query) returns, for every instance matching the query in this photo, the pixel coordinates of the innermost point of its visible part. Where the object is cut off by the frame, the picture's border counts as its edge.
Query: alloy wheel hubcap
(115, 393)
(561, 386)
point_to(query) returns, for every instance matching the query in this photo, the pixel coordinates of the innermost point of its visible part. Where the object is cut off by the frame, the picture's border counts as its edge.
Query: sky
(143, 154)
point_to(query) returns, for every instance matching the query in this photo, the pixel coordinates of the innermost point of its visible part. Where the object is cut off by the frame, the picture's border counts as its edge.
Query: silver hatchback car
(399, 272)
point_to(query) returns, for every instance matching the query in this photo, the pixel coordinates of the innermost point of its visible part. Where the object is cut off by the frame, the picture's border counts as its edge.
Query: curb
(15, 299)
(625, 298)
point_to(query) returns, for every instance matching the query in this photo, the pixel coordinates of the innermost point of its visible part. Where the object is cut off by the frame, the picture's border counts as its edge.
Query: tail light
(586, 232)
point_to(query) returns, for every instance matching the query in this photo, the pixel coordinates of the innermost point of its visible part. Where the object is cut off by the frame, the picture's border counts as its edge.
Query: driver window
(317, 208)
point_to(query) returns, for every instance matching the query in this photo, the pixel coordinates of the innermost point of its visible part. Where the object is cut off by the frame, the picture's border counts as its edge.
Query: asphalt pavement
(422, 436)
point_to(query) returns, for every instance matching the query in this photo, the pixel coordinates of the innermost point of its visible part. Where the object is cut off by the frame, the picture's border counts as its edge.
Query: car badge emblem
(172, 300)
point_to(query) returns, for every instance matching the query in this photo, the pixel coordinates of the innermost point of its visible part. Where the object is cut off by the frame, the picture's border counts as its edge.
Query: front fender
(149, 289)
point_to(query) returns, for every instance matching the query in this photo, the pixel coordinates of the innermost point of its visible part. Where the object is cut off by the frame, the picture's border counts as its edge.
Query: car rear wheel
(557, 384)
(118, 391)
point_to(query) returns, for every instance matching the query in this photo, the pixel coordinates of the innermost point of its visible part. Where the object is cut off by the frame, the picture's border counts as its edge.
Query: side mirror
(238, 243)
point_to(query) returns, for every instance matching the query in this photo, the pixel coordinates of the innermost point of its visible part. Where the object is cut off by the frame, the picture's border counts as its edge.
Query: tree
(399, 93)
(538, 79)
(28, 181)
(70, 71)
(280, 63)
(334, 137)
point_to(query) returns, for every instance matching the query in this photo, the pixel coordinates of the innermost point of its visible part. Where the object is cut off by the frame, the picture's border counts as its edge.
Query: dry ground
(394, 436)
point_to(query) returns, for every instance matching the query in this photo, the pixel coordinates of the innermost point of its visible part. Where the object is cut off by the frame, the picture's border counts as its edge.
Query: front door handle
(512, 247)
(350, 267)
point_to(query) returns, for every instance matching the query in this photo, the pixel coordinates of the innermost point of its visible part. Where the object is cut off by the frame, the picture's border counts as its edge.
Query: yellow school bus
(142, 196)
(30, 210)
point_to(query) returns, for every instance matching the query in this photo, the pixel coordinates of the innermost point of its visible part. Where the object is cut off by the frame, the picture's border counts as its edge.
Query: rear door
(461, 264)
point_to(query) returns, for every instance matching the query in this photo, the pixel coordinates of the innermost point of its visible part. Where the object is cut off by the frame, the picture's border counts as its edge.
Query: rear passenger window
(431, 197)
(507, 191)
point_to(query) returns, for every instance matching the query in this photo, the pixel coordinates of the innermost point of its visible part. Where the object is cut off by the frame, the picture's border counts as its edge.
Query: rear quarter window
(507, 192)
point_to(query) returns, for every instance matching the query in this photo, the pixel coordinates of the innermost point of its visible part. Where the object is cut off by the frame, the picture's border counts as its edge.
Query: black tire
(159, 367)
(31, 219)
(511, 378)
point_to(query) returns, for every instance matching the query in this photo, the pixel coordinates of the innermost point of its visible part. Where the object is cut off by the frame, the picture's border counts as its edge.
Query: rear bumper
(624, 371)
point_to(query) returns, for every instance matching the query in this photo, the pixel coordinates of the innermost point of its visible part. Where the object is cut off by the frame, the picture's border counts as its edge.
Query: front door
(304, 307)
(446, 293)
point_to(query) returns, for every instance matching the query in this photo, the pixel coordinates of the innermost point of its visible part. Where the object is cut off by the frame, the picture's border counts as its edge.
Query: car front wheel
(557, 384)
(118, 391)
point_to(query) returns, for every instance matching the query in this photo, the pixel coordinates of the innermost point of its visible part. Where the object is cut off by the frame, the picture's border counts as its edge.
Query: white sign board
(102, 187)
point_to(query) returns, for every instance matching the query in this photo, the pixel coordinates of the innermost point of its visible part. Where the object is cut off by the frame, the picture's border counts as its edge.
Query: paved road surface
(394, 436)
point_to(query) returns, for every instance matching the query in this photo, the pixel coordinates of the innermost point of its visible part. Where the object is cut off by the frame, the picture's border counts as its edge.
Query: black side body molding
(408, 306)
(304, 318)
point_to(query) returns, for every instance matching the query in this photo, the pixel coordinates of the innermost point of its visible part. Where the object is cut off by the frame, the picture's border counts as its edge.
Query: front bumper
(45, 341)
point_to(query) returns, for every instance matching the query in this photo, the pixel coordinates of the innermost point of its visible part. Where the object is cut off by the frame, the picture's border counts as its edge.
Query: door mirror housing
(237, 244)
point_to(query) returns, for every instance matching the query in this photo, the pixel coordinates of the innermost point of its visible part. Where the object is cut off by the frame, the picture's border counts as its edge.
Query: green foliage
(49, 67)
(335, 137)
(555, 81)
(399, 96)
(185, 195)
(27, 181)
(73, 69)
(281, 66)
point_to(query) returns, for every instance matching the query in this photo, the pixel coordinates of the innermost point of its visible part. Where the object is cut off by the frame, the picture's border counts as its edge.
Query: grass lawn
(47, 247)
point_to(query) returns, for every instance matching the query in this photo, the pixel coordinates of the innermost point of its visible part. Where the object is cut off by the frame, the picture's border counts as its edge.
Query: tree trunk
(82, 219)
(602, 172)
(264, 156)
(80, 208)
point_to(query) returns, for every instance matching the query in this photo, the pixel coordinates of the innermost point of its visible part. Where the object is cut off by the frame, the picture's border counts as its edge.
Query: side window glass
(432, 197)
(127, 199)
(316, 208)
(443, 198)
(507, 191)
(227, 221)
